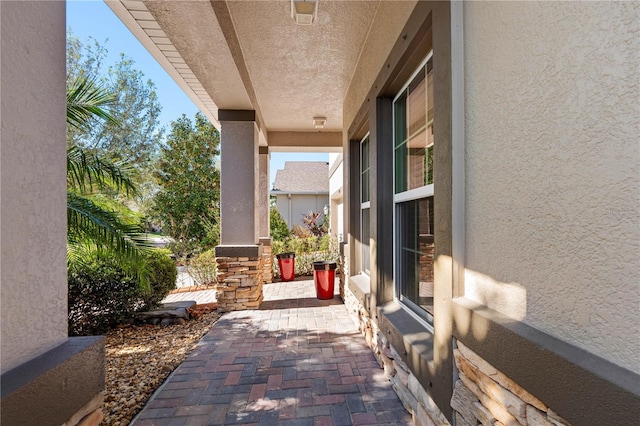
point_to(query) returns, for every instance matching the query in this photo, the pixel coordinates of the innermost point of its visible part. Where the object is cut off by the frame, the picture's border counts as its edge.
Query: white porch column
(239, 178)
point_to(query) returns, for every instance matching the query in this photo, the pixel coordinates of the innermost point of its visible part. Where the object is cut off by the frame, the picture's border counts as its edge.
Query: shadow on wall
(509, 298)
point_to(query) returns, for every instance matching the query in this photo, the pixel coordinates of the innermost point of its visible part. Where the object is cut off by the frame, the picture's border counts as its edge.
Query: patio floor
(296, 361)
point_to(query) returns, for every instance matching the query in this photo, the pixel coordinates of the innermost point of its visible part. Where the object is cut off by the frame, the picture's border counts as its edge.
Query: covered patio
(297, 360)
(506, 131)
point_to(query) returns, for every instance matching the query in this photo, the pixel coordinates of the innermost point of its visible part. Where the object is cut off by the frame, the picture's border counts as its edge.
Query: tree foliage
(137, 134)
(188, 202)
(277, 225)
(83, 58)
(91, 225)
(86, 100)
(111, 272)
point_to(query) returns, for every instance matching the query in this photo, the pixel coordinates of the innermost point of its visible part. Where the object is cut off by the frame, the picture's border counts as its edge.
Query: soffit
(251, 55)
(194, 30)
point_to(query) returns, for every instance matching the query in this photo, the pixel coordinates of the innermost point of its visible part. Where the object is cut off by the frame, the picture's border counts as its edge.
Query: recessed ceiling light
(319, 122)
(304, 11)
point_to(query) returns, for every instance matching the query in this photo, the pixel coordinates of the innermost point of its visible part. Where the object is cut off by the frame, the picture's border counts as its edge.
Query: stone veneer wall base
(414, 397)
(344, 267)
(485, 395)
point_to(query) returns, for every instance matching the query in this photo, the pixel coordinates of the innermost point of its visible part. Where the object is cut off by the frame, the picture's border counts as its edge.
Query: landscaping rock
(186, 304)
(169, 313)
(139, 358)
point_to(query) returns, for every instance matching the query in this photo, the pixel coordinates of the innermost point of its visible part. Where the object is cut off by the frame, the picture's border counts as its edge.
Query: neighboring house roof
(302, 177)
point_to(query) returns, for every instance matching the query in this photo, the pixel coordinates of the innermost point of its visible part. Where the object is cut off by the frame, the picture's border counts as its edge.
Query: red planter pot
(287, 265)
(324, 276)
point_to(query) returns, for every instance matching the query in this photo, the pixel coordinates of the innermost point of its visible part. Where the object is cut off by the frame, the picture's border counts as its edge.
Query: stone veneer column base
(239, 285)
(267, 259)
(483, 394)
(414, 397)
(343, 271)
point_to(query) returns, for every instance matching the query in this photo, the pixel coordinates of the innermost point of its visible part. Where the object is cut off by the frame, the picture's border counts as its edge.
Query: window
(365, 203)
(414, 231)
(413, 195)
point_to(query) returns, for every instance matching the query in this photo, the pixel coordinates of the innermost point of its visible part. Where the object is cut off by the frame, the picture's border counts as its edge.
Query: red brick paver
(296, 361)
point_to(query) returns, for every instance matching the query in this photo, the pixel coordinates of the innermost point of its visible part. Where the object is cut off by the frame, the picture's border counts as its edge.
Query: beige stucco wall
(33, 295)
(389, 21)
(553, 168)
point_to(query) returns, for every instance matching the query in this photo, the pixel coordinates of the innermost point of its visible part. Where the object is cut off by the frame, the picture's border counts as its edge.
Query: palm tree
(90, 226)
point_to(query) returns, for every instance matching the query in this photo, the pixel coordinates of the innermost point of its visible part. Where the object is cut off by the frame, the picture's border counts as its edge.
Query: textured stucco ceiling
(244, 54)
(301, 71)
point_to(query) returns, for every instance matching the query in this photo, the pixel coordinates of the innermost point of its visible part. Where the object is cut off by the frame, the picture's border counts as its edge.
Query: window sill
(360, 286)
(410, 338)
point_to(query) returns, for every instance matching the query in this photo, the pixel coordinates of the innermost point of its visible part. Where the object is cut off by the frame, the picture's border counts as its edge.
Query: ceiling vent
(304, 12)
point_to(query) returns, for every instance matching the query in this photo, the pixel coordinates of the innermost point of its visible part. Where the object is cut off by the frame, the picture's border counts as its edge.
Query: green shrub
(277, 225)
(204, 268)
(101, 295)
(161, 274)
(328, 244)
(212, 233)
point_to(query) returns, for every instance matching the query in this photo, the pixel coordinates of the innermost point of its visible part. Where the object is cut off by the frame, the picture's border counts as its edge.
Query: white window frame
(409, 195)
(363, 206)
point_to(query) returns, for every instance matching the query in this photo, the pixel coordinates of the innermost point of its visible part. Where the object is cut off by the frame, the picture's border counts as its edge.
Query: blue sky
(94, 18)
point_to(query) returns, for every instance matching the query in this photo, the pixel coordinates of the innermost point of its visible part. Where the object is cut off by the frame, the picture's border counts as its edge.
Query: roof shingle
(303, 176)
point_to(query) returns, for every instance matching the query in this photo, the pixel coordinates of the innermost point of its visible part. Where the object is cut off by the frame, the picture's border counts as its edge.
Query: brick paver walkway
(297, 361)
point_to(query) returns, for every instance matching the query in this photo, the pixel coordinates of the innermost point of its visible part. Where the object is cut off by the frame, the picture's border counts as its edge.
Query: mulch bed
(140, 357)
